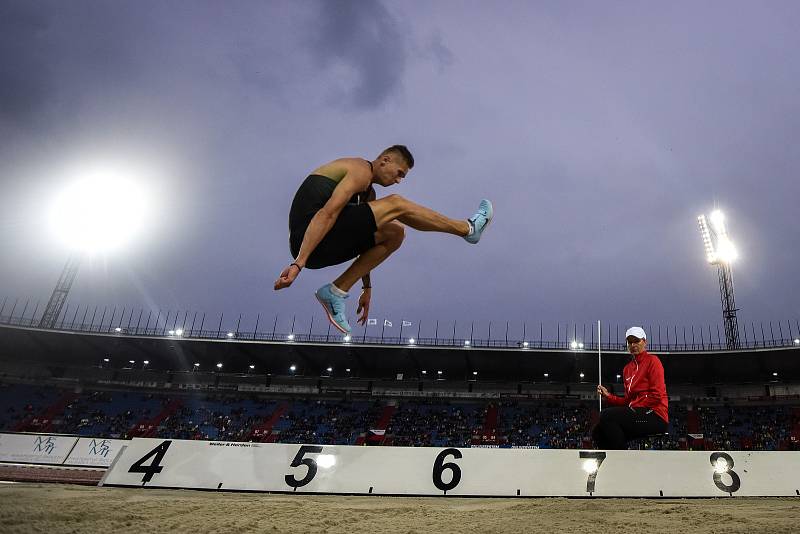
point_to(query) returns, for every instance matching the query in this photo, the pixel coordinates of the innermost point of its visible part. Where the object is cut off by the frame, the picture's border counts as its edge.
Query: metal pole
(599, 368)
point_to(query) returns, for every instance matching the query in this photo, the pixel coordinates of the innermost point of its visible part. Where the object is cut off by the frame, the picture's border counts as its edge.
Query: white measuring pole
(599, 367)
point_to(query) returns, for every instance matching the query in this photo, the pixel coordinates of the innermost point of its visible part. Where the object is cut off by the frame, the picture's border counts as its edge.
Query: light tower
(721, 252)
(100, 210)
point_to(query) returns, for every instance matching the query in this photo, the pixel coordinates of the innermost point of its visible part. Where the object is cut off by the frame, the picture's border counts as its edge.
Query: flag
(387, 322)
(406, 323)
(371, 322)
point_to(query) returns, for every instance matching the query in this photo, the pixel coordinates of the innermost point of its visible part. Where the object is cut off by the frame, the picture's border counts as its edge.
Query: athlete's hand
(363, 305)
(287, 276)
(603, 391)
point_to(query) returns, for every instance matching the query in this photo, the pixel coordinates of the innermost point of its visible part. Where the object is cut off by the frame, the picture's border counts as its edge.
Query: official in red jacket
(643, 409)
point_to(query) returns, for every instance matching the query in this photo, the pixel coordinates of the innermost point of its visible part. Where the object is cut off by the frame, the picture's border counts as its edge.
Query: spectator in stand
(643, 409)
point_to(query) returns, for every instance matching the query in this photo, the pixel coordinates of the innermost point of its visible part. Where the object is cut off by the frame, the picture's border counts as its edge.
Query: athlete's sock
(471, 227)
(338, 292)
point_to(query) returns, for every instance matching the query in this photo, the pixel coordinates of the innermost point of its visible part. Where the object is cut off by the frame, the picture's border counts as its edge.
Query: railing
(685, 339)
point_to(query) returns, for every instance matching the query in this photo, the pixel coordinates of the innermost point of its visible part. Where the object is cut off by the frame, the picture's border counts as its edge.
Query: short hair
(403, 151)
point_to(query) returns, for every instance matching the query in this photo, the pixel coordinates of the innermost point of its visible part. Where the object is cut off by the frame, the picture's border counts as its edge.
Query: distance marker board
(431, 471)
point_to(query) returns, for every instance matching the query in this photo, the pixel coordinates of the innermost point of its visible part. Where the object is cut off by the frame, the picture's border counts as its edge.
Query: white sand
(56, 508)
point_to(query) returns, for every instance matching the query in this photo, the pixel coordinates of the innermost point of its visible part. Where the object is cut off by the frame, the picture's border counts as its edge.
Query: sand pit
(55, 508)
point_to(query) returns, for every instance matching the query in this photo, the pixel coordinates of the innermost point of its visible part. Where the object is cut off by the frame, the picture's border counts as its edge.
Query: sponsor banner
(35, 449)
(453, 471)
(95, 452)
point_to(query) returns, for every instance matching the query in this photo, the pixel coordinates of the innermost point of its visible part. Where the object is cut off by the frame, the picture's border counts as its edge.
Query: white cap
(636, 331)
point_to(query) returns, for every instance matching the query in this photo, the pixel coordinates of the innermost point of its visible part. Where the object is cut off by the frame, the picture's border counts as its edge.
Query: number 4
(154, 467)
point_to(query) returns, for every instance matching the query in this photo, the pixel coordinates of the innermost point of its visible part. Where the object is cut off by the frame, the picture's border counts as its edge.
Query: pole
(599, 368)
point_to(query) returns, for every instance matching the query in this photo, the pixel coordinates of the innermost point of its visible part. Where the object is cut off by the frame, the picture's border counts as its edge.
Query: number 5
(308, 462)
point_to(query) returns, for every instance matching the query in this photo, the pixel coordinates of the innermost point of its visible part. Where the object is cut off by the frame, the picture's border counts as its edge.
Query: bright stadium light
(797, 341)
(720, 251)
(412, 341)
(103, 207)
(329, 369)
(230, 335)
(219, 366)
(467, 342)
(293, 368)
(573, 345)
(347, 338)
(547, 375)
(179, 332)
(525, 344)
(252, 366)
(290, 337)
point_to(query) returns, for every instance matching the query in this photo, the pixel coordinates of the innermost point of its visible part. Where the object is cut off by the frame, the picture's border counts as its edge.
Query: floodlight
(197, 365)
(131, 361)
(474, 373)
(252, 366)
(797, 341)
(438, 372)
(347, 370)
(580, 345)
(179, 332)
(330, 369)
(525, 344)
(293, 368)
(290, 337)
(219, 366)
(103, 207)
(774, 374)
(412, 341)
(106, 360)
(424, 372)
(171, 332)
(467, 342)
(720, 251)
(347, 338)
(582, 375)
(230, 334)
(146, 362)
(546, 375)
(573, 345)
(118, 330)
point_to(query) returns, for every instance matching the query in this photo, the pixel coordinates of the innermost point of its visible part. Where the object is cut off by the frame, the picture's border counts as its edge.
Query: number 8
(736, 482)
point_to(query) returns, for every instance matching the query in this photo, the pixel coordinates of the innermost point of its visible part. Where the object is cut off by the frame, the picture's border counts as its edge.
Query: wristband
(298, 267)
(366, 287)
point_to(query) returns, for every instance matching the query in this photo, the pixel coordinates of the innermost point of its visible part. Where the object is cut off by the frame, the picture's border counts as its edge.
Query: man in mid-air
(335, 217)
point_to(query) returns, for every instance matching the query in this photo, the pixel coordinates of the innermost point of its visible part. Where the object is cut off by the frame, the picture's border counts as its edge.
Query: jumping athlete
(335, 217)
(643, 409)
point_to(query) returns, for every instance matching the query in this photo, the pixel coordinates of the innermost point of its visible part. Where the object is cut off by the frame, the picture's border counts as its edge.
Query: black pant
(620, 424)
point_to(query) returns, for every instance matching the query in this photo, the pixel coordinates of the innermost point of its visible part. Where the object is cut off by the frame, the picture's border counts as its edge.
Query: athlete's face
(636, 345)
(391, 170)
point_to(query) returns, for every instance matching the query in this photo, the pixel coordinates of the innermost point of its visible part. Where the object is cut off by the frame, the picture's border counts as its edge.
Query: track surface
(56, 508)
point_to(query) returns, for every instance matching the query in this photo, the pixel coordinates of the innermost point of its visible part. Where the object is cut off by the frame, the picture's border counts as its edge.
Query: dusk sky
(600, 131)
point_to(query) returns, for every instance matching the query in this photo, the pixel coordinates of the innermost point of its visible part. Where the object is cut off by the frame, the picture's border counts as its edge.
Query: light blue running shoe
(479, 221)
(334, 307)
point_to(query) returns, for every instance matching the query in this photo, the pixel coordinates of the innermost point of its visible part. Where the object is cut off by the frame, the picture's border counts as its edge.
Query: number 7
(594, 459)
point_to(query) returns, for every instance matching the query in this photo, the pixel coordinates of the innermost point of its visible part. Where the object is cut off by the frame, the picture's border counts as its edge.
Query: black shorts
(352, 234)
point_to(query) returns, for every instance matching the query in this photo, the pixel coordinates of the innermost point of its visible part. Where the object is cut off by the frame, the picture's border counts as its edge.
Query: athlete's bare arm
(356, 178)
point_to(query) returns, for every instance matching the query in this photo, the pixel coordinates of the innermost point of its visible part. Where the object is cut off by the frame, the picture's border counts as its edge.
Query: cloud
(362, 45)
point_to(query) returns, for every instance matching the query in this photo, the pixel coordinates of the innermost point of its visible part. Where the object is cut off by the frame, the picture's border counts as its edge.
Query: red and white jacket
(643, 378)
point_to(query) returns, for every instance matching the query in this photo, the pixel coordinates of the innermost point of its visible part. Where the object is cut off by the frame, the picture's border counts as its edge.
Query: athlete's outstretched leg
(416, 216)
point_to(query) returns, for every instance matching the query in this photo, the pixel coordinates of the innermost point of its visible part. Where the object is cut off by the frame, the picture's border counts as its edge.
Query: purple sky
(600, 130)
